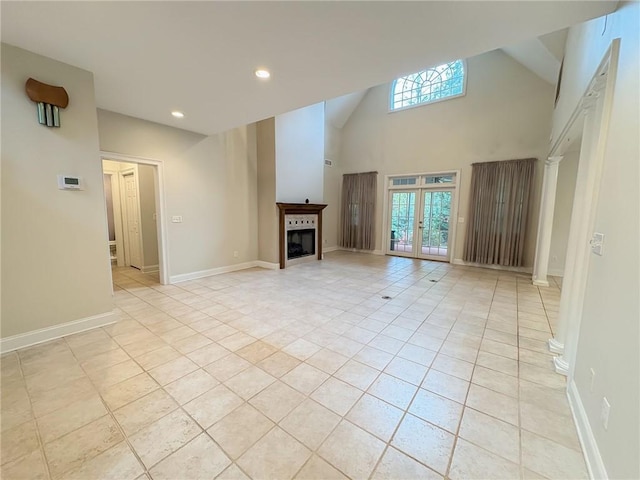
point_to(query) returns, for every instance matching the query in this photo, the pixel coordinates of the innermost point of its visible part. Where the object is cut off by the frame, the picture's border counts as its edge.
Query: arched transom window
(428, 86)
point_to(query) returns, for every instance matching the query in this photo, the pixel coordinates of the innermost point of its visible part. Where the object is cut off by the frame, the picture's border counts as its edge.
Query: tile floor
(304, 373)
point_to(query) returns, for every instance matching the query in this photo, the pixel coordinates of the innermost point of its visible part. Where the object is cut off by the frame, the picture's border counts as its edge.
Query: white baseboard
(330, 249)
(595, 465)
(183, 277)
(556, 272)
(42, 335)
(459, 261)
(150, 269)
(356, 250)
(267, 265)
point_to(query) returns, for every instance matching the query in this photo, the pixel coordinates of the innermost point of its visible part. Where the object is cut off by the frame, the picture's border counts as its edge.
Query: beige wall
(567, 174)
(267, 209)
(609, 341)
(505, 115)
(210, 181)
(300, 155)
(55, 260)
(332, 185)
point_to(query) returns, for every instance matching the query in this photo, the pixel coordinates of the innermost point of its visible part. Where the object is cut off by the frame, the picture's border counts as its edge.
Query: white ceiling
(542, 55)
(338, 110)
(149, 58)
(534, 55)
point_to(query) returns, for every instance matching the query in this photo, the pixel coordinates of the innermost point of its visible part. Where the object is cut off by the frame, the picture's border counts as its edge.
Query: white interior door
(131, 211)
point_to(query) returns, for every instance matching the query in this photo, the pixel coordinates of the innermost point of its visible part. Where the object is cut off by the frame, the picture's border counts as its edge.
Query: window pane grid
(430, 85)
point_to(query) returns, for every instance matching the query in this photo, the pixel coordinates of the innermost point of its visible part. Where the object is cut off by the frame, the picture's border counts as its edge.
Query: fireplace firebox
(301, 243)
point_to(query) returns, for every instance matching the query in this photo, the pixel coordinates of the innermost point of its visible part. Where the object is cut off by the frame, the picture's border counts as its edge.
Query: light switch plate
(597, 243)
(176, 219)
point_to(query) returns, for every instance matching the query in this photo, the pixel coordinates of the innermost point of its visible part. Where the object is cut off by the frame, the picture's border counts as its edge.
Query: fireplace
(300, 232)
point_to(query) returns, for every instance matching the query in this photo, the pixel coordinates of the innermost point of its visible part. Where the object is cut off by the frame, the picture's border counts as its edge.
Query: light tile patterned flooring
(303, 373)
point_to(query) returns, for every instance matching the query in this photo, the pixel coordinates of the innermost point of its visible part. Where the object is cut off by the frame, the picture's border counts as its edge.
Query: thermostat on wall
(68, 182)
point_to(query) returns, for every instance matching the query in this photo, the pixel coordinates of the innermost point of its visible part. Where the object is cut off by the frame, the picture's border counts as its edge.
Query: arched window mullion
(429, 85)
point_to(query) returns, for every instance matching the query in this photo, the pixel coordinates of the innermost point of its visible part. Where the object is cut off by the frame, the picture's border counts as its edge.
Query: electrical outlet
(235, 254)
(604, 414)
(593, 379)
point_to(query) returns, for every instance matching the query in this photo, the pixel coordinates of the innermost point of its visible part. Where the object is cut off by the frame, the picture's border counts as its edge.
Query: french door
(419, 221)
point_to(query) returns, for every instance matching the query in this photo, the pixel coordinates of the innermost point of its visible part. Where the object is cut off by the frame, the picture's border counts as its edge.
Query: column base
(540, 283)
(555, 346)
(561, 366)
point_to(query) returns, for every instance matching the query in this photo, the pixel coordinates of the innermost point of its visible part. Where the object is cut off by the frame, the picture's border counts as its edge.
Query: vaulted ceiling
(150, 58)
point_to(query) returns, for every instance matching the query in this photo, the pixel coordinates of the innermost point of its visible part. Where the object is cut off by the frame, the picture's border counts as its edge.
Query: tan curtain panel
(357, 215)
(498, 211)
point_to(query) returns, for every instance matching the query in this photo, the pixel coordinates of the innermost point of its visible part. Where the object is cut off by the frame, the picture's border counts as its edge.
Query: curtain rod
(361, 173)
(505, 161)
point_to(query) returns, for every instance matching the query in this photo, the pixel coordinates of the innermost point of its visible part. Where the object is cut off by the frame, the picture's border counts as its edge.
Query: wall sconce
(49, 99)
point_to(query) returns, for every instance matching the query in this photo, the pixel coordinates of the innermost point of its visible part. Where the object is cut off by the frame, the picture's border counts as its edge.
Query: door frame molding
(163, 237)
(386, 234)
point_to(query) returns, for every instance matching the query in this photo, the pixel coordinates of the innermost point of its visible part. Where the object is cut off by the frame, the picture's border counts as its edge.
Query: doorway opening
(134, 215)
(419, 209)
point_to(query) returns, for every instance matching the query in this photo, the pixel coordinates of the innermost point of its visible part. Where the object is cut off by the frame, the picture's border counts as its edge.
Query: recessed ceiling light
(262, 73)
(177, 114)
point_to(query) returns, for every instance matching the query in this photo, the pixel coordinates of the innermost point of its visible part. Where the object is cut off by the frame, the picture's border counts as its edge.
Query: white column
(577, 245)
(545, 222)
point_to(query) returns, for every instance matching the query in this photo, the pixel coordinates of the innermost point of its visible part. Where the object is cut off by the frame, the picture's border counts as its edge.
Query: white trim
(163, 237)
(330, 249)
(592, 456)
(390, 108)
(560, 366)
(453, 225)
(46, 334)
(556, 272)
(183, 277)
(555, 346)
(267, 265)
(592, 115)
(545, 220)
(459, 261)
(150, 269)
(356, 250)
